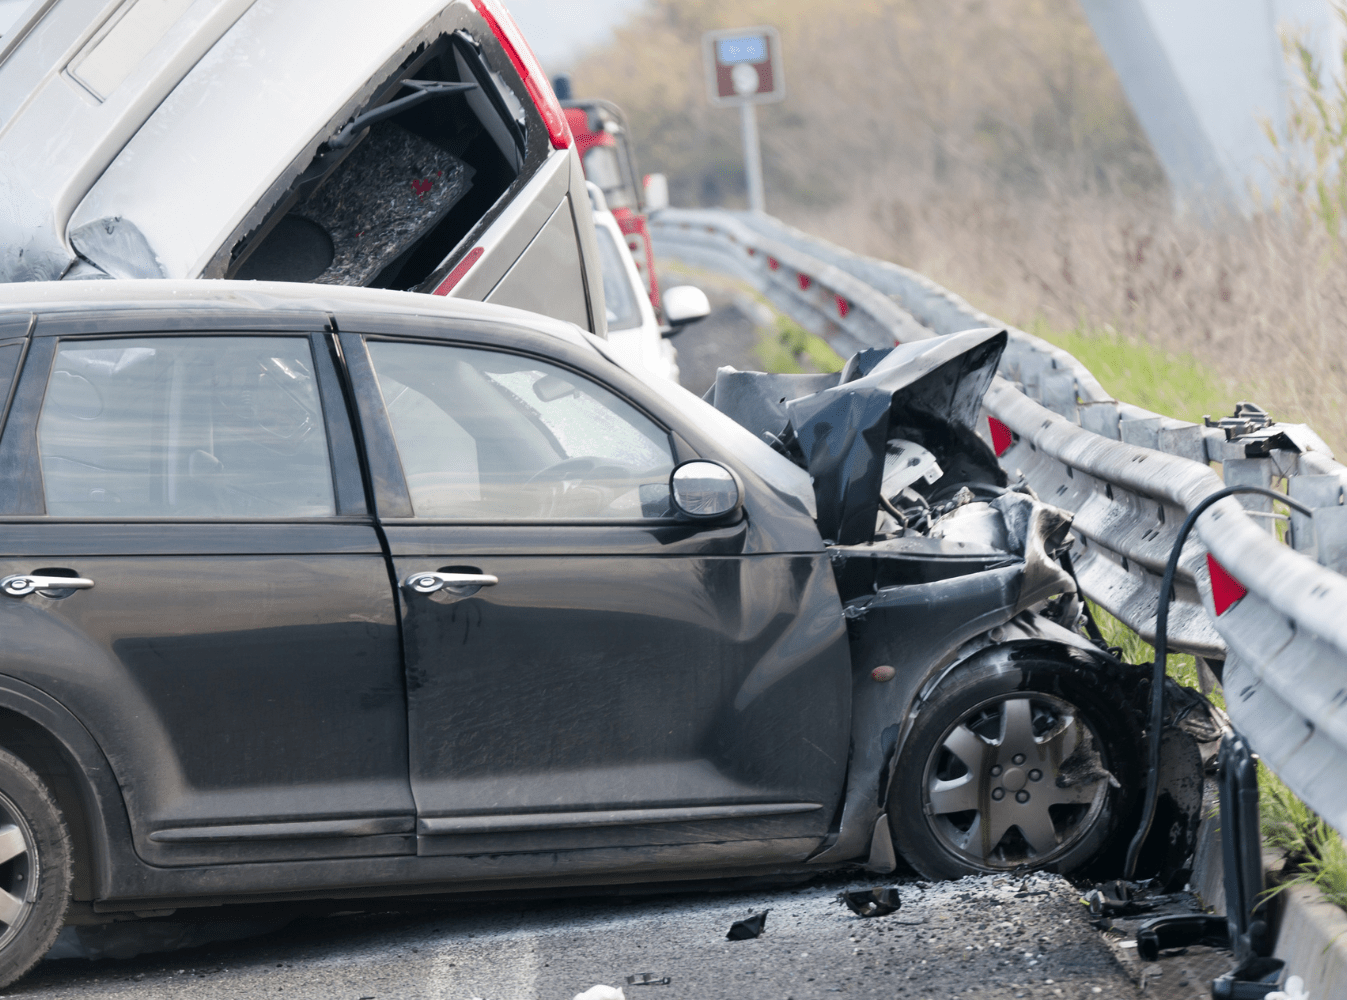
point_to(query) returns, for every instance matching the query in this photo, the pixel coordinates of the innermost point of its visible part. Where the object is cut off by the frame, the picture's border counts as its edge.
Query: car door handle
(428, 583)
(20, 585)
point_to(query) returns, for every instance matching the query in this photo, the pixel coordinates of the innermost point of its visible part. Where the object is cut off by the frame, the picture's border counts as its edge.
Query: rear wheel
(1019, 764)
(35, 869)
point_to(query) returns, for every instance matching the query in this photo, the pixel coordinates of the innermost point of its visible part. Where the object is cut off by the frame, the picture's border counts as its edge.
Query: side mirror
(702, 491)
(684, 305)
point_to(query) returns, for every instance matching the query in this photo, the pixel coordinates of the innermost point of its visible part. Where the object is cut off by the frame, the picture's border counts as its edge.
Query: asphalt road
(977, 938)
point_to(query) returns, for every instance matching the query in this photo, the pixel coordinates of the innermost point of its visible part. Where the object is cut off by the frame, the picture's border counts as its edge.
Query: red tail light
(1225, 589)
(511, 39)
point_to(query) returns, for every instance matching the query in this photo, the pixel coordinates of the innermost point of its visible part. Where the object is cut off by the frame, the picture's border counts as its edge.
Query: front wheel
(35, 868)
(1014, 764)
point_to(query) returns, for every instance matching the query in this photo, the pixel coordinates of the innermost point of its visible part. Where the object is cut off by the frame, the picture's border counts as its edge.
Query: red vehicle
(604, 144)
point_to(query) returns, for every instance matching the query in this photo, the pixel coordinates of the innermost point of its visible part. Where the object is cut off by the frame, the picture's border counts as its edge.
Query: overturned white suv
(414, 145)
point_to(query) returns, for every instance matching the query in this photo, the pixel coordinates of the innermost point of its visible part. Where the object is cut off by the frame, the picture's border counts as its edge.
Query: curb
(1313, 941)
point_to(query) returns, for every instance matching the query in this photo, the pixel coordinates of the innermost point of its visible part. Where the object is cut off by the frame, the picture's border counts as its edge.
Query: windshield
(603, 167)
(783, 475)
(624, 312)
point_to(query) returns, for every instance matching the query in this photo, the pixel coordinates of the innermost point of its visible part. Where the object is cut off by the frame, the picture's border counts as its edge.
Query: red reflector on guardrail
(804, 282)
(843, 306)
(1002, 438)
(1225, 589)
(773, 263)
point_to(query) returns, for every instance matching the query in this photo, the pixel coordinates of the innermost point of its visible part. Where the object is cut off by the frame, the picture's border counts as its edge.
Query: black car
(334, 592)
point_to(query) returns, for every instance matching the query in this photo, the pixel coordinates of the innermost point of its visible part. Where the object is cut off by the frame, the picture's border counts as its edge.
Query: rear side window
(386, 205)
(184, 427)
(494, 436)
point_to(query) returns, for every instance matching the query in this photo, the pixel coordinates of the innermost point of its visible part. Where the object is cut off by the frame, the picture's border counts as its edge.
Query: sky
(559, 30)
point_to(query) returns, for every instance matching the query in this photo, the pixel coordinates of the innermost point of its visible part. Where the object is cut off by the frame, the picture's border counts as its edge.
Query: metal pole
(748, 121)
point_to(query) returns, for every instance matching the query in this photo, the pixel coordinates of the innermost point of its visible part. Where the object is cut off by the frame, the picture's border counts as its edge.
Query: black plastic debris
(648, 979)
(877, 902)
(1253, 979)
(743, 930)
(1180, 930)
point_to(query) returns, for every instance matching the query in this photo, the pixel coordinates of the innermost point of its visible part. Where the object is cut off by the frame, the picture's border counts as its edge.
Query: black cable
(1162, 654)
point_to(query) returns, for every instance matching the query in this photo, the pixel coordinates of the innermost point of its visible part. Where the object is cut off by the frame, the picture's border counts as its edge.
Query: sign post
(743, 69)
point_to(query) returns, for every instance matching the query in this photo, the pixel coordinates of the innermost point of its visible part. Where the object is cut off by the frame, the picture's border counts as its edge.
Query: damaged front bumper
(940, 562)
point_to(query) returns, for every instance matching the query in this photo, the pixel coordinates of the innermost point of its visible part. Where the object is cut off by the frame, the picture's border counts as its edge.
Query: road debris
(877, 902)
(647, 979)
(750, 927)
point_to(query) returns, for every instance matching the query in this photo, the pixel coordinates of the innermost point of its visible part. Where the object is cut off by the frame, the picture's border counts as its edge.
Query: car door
(583, 670)
(229, 636)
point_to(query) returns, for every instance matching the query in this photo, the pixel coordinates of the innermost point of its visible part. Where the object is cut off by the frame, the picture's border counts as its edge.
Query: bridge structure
(1206, 77)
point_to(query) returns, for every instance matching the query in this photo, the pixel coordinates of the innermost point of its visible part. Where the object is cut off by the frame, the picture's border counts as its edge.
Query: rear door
(594, 674)
(231, 643)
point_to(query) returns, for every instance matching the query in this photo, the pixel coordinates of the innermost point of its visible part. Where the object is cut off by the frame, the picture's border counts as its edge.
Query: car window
(620, 298)
(184, 427)
(487, 435)
(603, 167)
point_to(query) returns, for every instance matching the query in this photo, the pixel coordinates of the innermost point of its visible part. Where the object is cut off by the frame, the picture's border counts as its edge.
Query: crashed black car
(316, 593)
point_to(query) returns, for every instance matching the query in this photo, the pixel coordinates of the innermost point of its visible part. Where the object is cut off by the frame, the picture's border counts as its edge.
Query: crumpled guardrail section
(1129, 475)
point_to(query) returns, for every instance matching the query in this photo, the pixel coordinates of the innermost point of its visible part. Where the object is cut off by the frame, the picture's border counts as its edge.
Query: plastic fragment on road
(601, 992)
(1295, 990)
(750, 927)
(877, 902)
(647, 979)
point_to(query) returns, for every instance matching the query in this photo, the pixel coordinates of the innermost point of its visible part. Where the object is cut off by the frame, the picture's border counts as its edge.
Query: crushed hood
(837, 425)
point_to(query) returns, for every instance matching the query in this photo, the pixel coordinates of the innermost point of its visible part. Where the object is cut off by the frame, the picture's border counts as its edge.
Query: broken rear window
(390, 197)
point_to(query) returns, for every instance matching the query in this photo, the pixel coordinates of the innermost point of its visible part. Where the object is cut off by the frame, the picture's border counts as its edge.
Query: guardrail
(1276, 611)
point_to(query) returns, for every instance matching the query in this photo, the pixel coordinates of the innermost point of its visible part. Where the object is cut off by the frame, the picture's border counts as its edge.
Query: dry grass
(1262, 303)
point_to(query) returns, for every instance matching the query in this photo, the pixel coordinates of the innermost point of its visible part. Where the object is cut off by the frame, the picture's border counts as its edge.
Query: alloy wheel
(1017, 780)
(18, 865)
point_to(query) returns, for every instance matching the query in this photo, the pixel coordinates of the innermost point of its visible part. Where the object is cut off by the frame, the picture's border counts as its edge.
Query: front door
(584, 671)
(236, 654)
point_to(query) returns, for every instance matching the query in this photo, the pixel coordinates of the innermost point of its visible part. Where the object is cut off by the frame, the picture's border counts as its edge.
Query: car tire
(36, 872)
(1015, 765)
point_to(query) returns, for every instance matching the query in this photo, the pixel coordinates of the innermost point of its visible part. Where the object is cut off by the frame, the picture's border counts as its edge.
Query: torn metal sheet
(933, 388)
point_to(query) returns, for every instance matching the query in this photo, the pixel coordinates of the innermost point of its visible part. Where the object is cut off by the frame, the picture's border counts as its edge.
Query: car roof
(224, 299)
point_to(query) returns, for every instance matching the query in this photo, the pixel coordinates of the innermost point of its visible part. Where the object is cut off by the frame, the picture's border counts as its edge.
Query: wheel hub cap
(997, 792)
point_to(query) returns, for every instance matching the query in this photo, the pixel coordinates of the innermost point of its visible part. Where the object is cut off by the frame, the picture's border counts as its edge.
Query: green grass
(1314, 851)
(793, 350)
(1172, 384)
